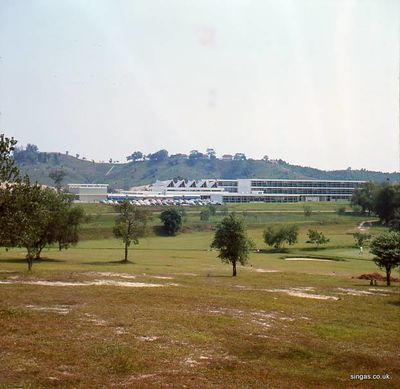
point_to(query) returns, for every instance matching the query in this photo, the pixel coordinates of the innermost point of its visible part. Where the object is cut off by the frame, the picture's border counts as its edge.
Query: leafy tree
(224, 210)
(135, 156)
(57, 176)
(232, 242)
(341, 210)
(195, 154)
(205, 215)
(130, 224)
(69, 221)
(31, 148)
(387, 201)
(29, 155)
(212, 209)
(277, 236)
(316, 237)
(172, 220)
(361, 238)
(307, 210)
(386, 248)
(28, 218)
(394, 223)
(211, 153)
(8, 171)
(160, 155)
(239, 157)
(364, 197)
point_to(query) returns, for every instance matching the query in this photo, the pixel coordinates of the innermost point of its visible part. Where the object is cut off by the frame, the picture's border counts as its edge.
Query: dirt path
(361, 225)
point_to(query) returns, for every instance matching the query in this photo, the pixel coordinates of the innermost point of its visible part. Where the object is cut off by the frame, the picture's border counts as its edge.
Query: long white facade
(260, 190)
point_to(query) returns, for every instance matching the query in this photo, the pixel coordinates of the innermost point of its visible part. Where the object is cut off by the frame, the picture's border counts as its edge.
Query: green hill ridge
(125, 175)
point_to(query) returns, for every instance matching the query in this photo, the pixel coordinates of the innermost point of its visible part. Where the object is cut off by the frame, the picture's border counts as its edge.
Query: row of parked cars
(164, 202)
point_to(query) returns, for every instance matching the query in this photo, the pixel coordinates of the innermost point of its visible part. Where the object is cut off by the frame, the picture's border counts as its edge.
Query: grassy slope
(139, 173)
(209, 330)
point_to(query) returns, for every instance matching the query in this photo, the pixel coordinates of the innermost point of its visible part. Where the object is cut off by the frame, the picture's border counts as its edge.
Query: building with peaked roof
(260, 190)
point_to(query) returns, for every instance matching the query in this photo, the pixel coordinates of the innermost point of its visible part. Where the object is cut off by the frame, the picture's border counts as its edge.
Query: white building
(260, 190)
(89, 193)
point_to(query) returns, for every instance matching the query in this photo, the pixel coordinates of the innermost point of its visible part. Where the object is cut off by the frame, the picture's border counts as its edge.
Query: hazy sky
(314, 82)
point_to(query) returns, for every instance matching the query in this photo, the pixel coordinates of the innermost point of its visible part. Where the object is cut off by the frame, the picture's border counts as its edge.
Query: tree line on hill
(163, 155)
(144, 169)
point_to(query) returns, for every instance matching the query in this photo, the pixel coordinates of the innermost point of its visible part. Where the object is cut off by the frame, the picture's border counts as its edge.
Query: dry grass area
(194, 330)
(175, 318)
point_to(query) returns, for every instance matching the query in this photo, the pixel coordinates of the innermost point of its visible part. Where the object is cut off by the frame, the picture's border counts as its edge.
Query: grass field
(174, 316)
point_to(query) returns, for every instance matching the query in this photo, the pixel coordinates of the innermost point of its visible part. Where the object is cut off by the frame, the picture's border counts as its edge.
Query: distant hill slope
(146, 172)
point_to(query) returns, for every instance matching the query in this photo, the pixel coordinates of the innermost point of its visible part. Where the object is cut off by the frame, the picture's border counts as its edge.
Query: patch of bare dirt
(59, 309)
(376, 277)
(308, 259)
(304, 292)
(85, 283)
(356, 292)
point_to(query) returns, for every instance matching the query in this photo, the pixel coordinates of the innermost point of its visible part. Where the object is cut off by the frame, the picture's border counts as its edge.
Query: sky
(313, 82)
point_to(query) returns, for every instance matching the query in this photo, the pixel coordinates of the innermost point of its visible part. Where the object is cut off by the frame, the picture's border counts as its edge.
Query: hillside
(145, 172)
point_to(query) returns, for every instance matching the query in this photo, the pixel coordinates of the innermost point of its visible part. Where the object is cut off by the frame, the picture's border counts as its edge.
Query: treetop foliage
(130, 224)
(386, 248)
(316, 237)
(8, 171)
(383, 200)
(232, 242)
(172, 220)
(32, 216)
(277, 236)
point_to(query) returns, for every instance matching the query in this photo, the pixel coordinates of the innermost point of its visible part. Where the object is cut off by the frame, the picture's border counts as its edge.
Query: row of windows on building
(277, 199)
(304, 184)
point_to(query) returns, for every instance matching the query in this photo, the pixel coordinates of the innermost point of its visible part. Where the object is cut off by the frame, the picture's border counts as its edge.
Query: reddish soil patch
(376, 276)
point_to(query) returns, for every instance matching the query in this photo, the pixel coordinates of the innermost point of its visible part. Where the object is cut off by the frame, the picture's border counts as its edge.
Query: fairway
(174, 316)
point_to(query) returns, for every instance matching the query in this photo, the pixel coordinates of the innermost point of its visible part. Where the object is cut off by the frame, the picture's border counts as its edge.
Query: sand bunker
(84, 283)
(158, 277)
(355, 292)
(265, 271)
(59, 309)
(147, 338)
(296, 292)
(308, 259)
(110, 274)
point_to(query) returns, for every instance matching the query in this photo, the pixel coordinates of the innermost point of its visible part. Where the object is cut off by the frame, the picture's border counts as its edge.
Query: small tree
(386, 247)
(316, 237)
(205, 215)
(212, 208)
(360, 238)
(232, 242)
(57, 176)
(172, 220)
(307, 210)
(364, 197)
(69, 222)
(130, 224)
(135, 156)
(277, 236)
(387, 201)
(27, 218)
(341, 210)
(8, 171)
(224, 210)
